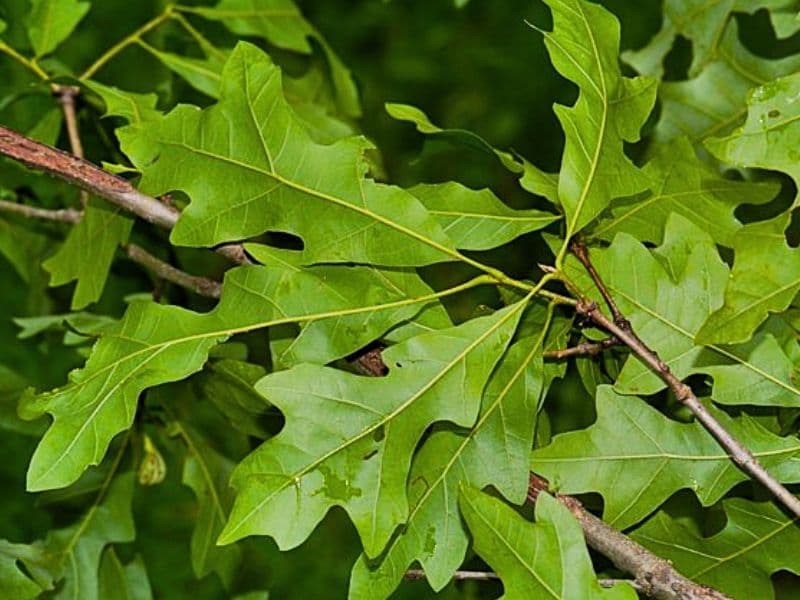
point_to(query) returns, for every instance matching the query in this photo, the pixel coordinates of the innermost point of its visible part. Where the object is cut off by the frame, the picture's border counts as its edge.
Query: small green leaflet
(757, 541)
(477, 219)
(88, 252)
(281, 24)
(696, 109)
(207, 472)
(50, 22)
(668, 294)
(610, 110)
(683, 184)
(545, 559)
(636, 458)
(155, 344)
(494, 452)
(348, 440)
(768, 137)
(765, 279)
(249, 167)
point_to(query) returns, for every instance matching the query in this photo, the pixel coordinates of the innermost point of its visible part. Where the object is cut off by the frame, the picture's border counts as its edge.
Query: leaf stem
(31, 65)
(125, 42)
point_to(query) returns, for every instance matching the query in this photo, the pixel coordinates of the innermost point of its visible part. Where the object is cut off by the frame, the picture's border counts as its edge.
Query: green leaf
(757, 540)
(207, 472)
(494, 452)
(683, 184)
(156, 344)
(477, 219)
(766, 140)
(123, 582)
(349, 440)
(14, 583)
(765, 279)
(88, 252)
(667, 295)
(695, 108)
(281, 24)
(50, 22)
(546, 559)
(249, 167)
(655, 458)
(610, 110)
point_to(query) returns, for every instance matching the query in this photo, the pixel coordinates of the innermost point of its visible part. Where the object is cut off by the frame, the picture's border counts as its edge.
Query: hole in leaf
(774, 114)
(379, 434)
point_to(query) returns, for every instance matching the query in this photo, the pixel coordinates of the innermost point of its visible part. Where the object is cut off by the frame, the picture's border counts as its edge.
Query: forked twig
(583, 349)
(625, 334)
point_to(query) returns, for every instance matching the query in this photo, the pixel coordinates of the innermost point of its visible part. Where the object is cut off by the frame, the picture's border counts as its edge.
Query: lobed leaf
(349, 440)
(610, 110)
(636, 458)
(156, 344)
(495, 451)
(250, 167)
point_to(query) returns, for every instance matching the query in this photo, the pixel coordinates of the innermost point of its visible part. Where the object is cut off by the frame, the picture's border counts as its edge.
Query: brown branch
(199, 285)
(583, 349)
(737, 451)
(65, 215)
(93, 179)
(653, 575)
